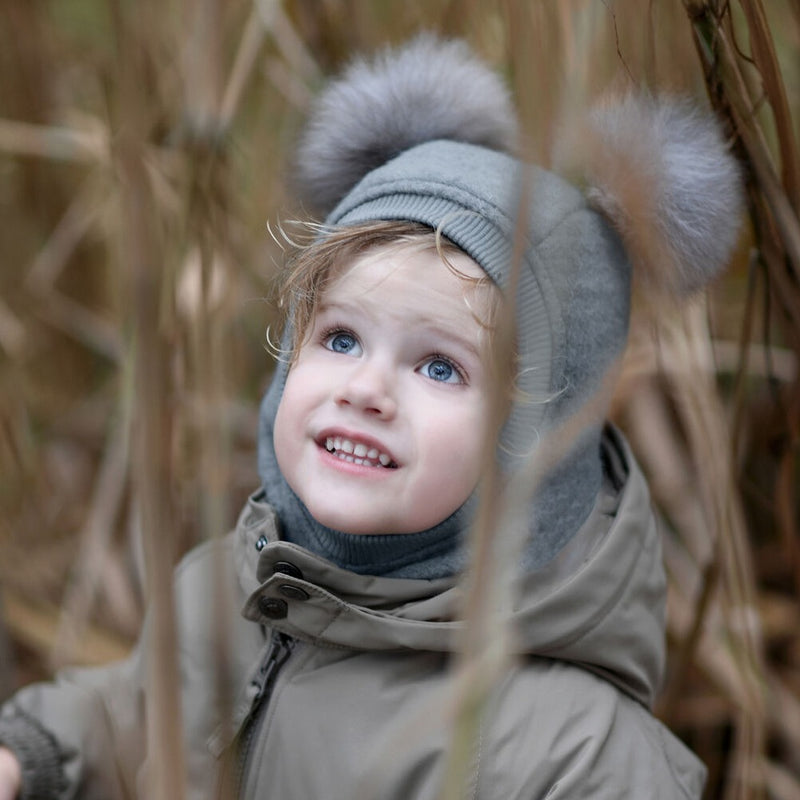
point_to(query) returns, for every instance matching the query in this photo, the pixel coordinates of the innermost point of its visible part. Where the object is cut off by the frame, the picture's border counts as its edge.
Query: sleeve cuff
(38, 754)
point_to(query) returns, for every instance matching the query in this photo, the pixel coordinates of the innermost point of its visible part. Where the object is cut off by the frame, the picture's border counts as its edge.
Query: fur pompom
(429, 89)
(660, 170)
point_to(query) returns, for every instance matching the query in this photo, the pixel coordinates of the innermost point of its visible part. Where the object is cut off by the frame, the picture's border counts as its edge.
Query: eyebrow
(451, 334)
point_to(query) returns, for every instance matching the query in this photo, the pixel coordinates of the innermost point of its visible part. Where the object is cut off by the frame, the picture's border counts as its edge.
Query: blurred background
(146, 147)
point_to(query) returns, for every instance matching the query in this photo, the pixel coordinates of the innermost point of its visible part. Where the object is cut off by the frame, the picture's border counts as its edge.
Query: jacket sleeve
(84, 735)
(79, 736)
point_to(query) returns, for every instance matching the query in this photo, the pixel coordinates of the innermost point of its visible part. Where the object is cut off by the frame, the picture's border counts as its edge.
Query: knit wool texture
(572, 308)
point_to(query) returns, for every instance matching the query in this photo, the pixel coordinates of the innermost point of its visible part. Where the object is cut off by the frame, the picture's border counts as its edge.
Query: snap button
(261, 542)
(293, 592)
(273, 607)
(287, 569)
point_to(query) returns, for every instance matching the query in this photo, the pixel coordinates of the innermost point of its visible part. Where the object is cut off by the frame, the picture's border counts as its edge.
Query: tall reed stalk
(143, 254)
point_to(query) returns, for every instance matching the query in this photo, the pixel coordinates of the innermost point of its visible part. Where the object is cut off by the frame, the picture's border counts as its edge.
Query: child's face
(381, 424)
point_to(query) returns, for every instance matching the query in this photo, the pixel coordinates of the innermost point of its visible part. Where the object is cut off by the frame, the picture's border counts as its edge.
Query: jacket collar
(599, 603)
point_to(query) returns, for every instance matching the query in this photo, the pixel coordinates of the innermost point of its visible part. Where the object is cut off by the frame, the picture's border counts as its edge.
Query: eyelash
(329, 332)
(439, 357)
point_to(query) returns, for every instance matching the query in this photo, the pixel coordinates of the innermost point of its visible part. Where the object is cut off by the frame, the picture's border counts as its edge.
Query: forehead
(403, 271)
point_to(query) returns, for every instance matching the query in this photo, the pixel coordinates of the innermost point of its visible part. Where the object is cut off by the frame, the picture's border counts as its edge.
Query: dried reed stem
(35, 625)
(143, 255)
(68, 233)
(243, 65)
(766, 60)
(80, 324)
(775, 201)
(94, 546)
(61, 144)
(709, 441)
(502, 526)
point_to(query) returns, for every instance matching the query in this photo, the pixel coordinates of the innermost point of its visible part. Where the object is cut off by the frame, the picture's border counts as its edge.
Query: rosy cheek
(282, 432)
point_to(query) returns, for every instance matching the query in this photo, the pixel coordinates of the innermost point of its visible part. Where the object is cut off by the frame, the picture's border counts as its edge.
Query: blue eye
(342, 342)
(438, 369)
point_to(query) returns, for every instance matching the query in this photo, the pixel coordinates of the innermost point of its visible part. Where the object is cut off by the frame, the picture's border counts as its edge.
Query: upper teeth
(356, 453)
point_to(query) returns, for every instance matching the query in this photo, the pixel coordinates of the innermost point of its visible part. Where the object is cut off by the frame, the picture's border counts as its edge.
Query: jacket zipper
(279, 652)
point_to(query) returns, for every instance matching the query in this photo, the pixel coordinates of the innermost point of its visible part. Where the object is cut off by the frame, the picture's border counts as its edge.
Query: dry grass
(142, 149)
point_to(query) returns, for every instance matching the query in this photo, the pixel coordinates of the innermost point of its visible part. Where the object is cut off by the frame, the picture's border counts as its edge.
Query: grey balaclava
(424, 134)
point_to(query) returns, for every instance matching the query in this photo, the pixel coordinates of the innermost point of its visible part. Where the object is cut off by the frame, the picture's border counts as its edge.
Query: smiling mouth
(358, 453)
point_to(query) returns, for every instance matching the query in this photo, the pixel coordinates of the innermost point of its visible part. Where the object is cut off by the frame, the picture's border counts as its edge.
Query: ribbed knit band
(38, 755)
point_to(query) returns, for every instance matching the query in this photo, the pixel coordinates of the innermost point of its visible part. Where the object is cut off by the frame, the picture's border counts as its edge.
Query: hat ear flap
(662, 173)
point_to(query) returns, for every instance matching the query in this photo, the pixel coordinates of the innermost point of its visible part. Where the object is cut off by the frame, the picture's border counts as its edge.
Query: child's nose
(367, 388)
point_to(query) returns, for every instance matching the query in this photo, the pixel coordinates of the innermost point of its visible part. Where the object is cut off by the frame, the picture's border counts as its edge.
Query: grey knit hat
(425, 134)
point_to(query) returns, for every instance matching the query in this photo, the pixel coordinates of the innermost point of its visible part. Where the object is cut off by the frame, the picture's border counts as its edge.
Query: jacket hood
(599, 604)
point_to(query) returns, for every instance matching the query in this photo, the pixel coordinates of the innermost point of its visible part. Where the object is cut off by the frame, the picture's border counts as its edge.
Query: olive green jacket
(338, 686)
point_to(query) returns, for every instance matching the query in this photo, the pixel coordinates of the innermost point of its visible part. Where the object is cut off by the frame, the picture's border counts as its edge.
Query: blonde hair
(322, 254)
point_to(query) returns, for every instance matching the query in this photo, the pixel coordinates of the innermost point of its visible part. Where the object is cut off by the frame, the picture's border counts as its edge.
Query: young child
(346, 561)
